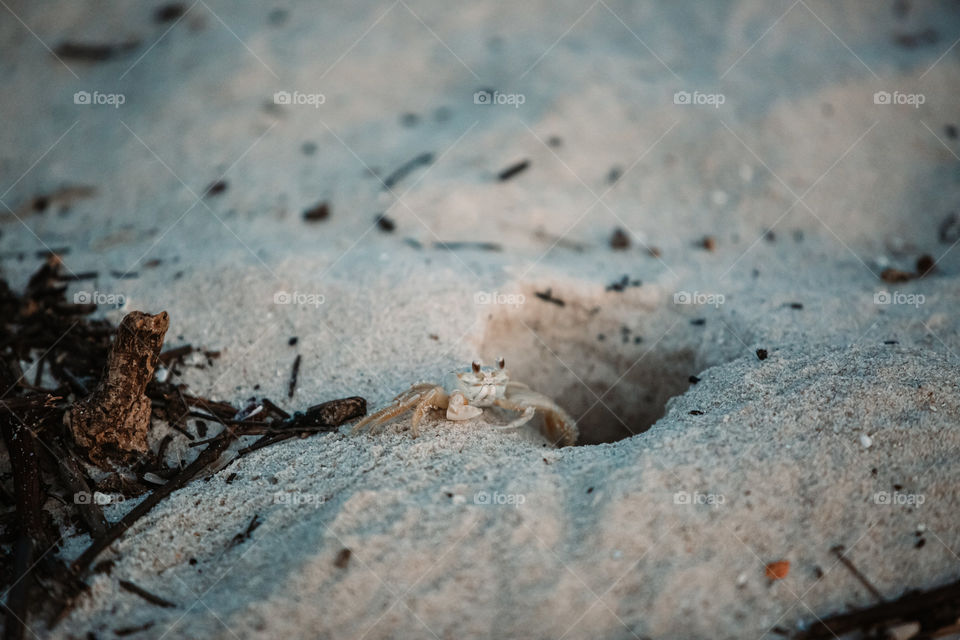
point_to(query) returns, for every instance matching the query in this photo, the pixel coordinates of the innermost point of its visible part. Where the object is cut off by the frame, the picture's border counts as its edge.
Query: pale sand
(599, 547)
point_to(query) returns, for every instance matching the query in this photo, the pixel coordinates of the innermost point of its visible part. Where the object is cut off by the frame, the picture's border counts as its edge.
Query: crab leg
(401, 404)
(436, 398)
(558, 426)
(525, 417)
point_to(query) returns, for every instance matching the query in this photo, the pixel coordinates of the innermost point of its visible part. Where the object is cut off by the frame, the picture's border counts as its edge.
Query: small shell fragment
(778, 570)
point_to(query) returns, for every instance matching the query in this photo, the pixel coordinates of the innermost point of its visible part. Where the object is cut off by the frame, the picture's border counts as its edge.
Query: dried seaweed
(100, 400)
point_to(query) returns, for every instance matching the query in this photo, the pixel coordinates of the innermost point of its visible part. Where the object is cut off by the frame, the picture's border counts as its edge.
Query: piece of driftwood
(111, 424)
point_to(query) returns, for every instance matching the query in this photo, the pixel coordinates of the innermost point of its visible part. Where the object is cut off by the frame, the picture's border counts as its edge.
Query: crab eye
(476, 366)
(501, 363)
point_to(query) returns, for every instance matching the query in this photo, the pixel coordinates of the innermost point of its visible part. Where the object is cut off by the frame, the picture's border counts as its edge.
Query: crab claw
(458, 409)
(465, 412)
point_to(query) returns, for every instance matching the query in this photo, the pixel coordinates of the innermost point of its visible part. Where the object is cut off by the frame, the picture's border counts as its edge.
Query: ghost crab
(465, 393)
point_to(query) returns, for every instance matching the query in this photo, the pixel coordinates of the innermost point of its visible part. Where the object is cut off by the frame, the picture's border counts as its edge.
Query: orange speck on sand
(778, 570)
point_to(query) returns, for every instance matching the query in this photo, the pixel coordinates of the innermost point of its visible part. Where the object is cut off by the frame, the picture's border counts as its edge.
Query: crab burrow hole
(611, 358)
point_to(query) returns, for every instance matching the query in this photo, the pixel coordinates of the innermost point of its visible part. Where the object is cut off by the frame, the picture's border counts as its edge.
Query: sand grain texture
(808, 188)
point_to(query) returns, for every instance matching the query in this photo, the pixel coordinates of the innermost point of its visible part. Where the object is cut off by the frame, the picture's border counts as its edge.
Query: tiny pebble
(866, 440)
(619, 240)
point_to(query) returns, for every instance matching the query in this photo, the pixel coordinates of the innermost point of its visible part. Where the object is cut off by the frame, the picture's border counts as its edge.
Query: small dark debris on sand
(925, 264)
(422, 160)
(244, 535)
(126, 585)
(950, 130)
(343, 558)
(621, 285)
(762, 354)
(385, 224)
(559, 241)
(693, 379)
(547, 296)
(922, 38)
(123, 632)
(93, 52)
(63, 198)
(480, 246)
(709, 243)
(317, 213)
(894, 276)
(949, 231)
(169, 12)
(698, 322)
(620, 240)
(293, 377)
(513, 170)
(215, 188)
